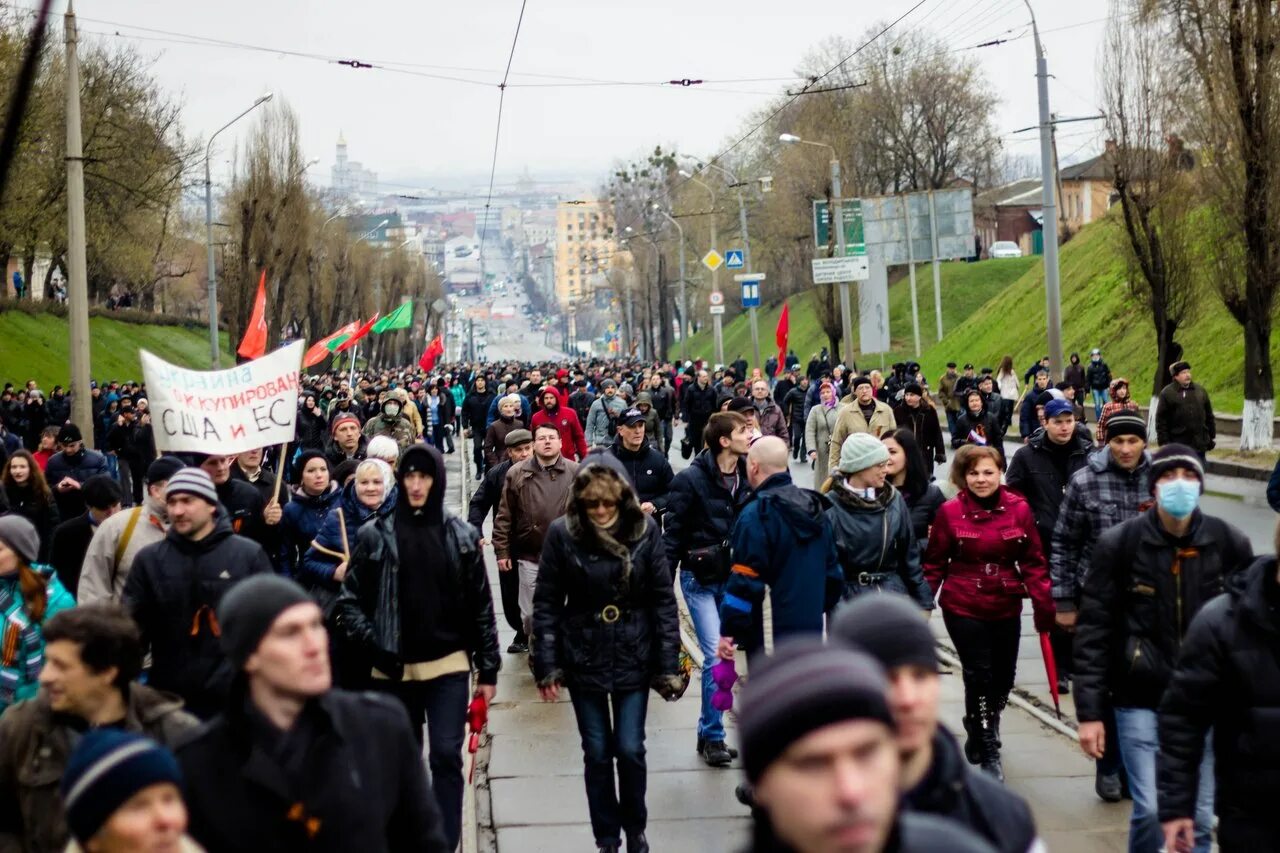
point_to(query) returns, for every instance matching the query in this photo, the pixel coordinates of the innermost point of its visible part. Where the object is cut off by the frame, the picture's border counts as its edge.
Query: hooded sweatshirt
(436, 629)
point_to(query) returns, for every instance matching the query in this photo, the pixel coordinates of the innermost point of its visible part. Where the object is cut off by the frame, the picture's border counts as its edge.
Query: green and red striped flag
(352, 339)
(323, 348)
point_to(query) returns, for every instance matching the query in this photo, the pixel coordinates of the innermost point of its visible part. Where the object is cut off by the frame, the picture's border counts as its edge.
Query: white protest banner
(252, 405)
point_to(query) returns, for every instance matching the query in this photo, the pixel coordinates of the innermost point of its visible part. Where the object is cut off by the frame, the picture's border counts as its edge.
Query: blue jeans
(953, 417)
(620, 806)
(1100, 399)
(1136, 730)
(704, 608)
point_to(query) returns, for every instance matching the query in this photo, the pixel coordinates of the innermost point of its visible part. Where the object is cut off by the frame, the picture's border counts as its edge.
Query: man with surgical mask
(391, 422)
(1148, 578)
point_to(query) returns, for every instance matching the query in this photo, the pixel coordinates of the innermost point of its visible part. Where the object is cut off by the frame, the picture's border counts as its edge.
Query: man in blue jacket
(783, 541)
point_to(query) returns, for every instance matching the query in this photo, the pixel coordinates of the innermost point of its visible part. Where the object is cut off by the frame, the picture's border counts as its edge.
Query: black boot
(1001, 704)
(972, 722)
(637, 843)
(990, 720)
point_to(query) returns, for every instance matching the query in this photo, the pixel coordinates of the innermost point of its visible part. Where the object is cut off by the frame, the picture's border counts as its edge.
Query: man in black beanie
(423, 642)
(315, 768)
(818, 746)
(935, 776)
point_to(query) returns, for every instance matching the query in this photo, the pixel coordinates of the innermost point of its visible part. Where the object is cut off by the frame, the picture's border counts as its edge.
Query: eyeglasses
(602, 503)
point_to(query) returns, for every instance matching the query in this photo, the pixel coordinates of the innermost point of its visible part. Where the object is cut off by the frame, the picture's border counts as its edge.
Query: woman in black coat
(909, 473)
(605, 626)
(977, 424)
(26, 493)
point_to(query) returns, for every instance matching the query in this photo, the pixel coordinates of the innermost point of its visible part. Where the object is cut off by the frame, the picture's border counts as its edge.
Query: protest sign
(224, 411)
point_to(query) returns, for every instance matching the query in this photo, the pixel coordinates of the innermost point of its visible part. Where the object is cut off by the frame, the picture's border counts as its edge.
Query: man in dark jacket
(647, 468)
(312, 426)
(1098, 377)
(1227, 680)
(581, 399)
(123, 439)
(697, 404)
(71, 538)
(58, 408)
(704, 502)
(519, 444)
(818, 706)
(345, 442)
(246, 510)
(1041, 468)
(475, 411)
(314, 768)
(795, 409)
(69, 468)
(1184, 413)
(922, 419)
(92, 660)
(436, 625)
(783, 541)
(1150, 577)
(936, 777)
(175, 585)
(663, 400)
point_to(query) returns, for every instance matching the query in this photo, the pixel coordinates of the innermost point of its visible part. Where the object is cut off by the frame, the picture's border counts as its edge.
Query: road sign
(835, 270)
(716, 298)
(751, 294)
(735, 259)
(712, 260)
(716, 309)
(854, 242)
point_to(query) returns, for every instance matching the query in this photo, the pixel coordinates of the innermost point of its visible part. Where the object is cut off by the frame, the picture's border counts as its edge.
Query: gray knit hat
(192, 481)
(861, 451)
(804, 687)
(20, 535)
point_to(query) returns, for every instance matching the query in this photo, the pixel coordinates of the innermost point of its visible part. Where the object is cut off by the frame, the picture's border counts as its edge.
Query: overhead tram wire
(497, 134)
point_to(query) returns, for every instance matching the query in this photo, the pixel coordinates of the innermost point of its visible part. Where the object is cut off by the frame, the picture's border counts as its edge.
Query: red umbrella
(1050, 670)
(477, 717)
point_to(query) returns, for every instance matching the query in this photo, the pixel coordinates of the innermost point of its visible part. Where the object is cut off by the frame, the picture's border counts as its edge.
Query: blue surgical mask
(1179, 498)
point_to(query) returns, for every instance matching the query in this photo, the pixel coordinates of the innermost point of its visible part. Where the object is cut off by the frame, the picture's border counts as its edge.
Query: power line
(497, 134)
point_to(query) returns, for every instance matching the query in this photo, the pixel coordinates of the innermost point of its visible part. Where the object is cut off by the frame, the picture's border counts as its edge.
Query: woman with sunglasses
(875, 541)
(605, 627)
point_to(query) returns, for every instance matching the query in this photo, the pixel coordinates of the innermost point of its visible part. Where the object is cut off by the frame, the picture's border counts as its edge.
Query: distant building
(585, 243)
(349, 177)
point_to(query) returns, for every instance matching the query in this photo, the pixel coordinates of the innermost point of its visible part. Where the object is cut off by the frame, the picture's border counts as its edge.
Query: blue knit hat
(105, 770)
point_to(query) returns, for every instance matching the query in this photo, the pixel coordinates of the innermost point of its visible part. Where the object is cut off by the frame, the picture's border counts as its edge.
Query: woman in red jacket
(985, 555)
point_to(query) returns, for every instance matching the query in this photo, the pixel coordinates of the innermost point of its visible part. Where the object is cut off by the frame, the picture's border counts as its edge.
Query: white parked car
(1004, 249)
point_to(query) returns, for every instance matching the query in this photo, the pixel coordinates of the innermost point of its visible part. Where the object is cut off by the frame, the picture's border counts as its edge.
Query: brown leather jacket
(34, 748)
(532, 498)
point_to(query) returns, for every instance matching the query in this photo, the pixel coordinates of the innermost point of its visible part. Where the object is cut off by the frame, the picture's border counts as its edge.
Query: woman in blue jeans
(605, 627)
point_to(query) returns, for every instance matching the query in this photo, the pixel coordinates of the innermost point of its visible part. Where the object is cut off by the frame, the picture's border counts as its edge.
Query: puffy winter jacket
(1033, 475)
(875, 543)
(924, 509)
(300, 521)
(367, 610)
(1098, 375)
(647, 469)
(1099, 496)
(602, 420)
(701, 511)
(341, 525)
(579, 576)
(1228, 679)
(783, 541)
(696, 402)
(985, 423)
(475, 410)
(1140, 596)
(312, 429)
(985, 561)
(173, 592)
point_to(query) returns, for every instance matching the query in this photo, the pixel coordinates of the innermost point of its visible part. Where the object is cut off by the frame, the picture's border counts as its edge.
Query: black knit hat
(1174, 456)
(1126, 423)
(248, 610)
(888, 627)
(163, 468)
(804, 687)
(106, 769)
(913, 388)
(861, 380)
(300, 464)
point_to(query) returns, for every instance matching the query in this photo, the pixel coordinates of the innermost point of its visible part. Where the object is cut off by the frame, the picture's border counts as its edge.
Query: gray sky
(411, 127)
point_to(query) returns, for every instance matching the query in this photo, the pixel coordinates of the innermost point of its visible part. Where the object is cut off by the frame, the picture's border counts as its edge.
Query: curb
(1235, 469)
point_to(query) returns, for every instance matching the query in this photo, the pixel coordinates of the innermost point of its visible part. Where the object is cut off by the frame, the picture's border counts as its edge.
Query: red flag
(319, 351)
(357, 335)
(254, 342)
(434, 350)
(780, 338)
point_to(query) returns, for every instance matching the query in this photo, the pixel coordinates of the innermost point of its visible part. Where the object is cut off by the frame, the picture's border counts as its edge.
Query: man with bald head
(782, 541)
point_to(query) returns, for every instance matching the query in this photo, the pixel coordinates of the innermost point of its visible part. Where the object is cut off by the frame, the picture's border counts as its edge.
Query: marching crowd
(214, 651)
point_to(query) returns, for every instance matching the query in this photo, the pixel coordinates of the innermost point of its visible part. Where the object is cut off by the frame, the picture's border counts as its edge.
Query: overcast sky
(410, 127)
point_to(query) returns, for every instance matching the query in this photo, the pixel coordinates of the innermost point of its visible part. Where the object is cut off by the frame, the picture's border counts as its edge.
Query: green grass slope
(37, 347)
(993, 308)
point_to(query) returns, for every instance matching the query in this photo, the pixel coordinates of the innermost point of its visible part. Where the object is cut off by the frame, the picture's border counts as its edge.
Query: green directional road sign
(854, 243)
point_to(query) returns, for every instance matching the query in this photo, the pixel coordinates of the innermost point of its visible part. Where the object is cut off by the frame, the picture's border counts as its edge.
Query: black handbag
(710, 564)
(686, 448)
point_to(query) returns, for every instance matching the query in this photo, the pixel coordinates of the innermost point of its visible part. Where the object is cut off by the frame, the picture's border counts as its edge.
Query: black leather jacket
(367, 611)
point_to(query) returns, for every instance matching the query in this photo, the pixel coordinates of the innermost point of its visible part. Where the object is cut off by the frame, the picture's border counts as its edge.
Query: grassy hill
(996, 307)
(36, 347)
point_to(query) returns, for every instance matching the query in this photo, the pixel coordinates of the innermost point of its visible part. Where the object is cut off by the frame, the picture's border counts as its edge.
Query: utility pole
(77, 266)
(911, 268)
(837, 222)
(684, 300)
(1048, 179)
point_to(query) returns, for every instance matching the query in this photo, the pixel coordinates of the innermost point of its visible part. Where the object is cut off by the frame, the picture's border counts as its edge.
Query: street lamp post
(715, 273)
(684, 299)
(214, 356)
(1052, 295)
(837, 222)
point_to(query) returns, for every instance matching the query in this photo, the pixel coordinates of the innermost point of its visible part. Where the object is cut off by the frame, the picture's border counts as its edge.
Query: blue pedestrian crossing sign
(735, 259)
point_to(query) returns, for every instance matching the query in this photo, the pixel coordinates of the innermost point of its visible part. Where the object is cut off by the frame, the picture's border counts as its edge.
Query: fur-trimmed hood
(631, 519)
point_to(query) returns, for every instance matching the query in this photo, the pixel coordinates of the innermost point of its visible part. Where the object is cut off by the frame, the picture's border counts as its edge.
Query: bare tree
(1142, 96)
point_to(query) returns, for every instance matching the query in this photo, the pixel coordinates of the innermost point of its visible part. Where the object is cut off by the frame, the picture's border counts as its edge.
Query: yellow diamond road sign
(712, 260)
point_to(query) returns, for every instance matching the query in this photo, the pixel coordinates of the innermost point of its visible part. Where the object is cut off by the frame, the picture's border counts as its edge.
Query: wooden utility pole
(77, 266)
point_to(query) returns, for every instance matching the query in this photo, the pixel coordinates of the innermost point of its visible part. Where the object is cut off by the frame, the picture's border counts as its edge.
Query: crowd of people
(293, 621)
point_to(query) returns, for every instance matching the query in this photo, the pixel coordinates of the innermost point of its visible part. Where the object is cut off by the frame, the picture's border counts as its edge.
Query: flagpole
(352, 380)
